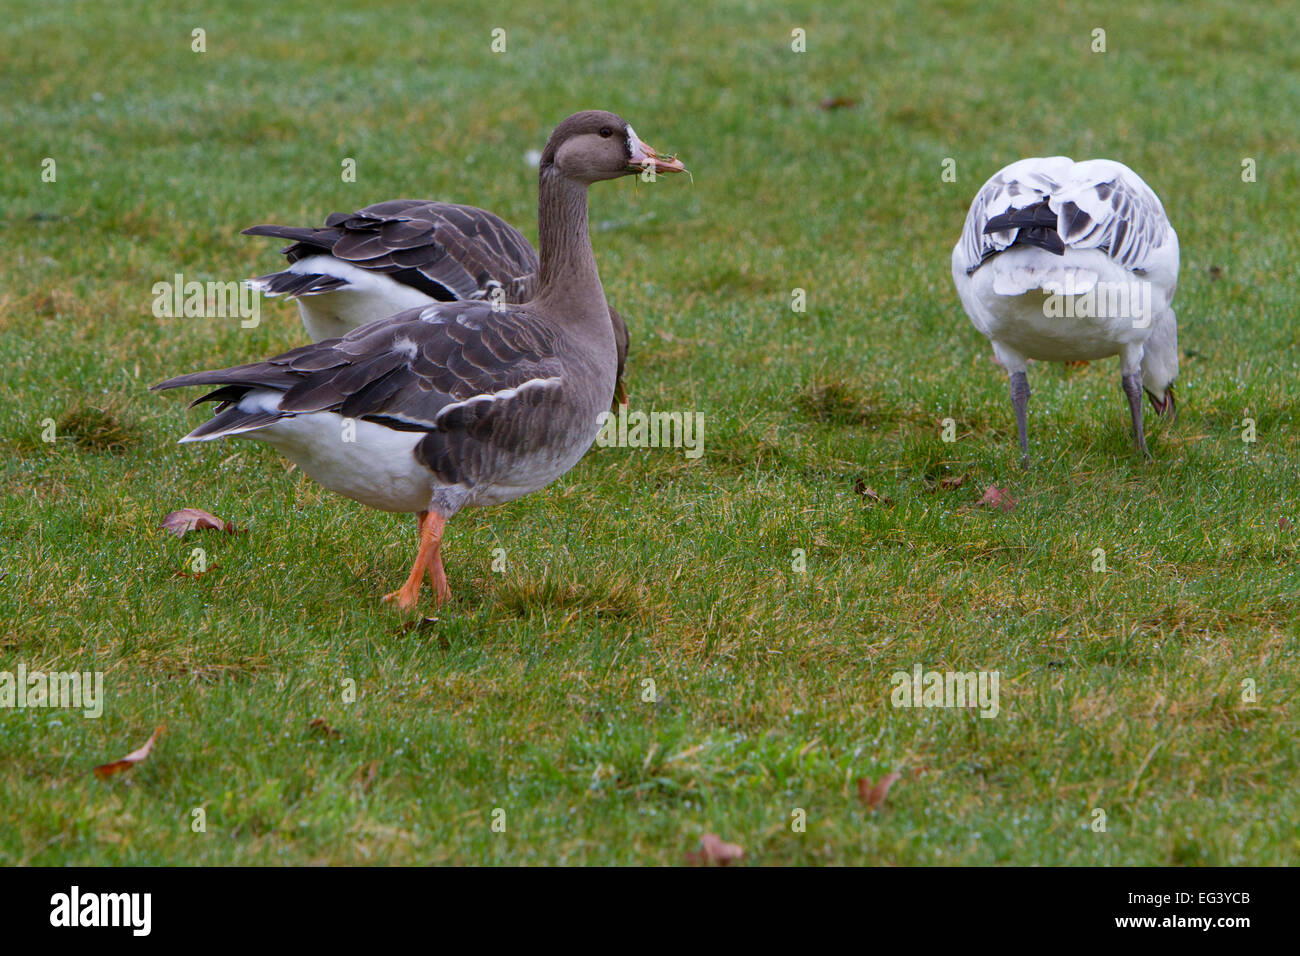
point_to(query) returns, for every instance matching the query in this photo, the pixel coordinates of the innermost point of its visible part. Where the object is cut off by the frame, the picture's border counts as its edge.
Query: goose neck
(568, 266)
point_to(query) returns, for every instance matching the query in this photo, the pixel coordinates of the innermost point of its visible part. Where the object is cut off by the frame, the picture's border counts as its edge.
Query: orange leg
(427, 560)
(437, 576)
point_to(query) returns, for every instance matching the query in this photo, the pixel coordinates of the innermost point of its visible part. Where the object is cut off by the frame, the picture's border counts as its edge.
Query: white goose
(454, 404)
(1063, 261)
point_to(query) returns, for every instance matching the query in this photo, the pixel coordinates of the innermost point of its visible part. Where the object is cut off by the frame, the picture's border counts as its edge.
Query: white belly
(1080, 306)
(377, 468)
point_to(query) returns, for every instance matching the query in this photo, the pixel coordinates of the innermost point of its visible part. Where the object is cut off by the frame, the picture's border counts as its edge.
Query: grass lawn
(1121, 691)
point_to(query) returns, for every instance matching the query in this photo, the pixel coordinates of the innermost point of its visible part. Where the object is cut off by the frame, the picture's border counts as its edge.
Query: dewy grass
(654, 648)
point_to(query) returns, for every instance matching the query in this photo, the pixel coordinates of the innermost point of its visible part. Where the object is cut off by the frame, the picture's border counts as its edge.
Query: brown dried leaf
(1284, 523)
(951, 482)
(366, 774)
(714, 850)
(194, 574)
(871, 494)
(838, 102)
(320, 725)
(997, 497)
(130, 760)
(194, 519)
(1077, 363)
(874, 795)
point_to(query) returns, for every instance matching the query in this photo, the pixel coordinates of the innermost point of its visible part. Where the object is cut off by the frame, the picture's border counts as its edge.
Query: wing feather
(459, 249)
(1099, 204)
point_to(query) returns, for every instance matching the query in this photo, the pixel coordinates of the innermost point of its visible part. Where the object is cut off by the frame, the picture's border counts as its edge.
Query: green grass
(1120, 690)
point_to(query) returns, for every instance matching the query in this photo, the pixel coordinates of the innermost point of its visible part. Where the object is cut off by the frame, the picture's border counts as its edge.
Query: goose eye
(606, 132)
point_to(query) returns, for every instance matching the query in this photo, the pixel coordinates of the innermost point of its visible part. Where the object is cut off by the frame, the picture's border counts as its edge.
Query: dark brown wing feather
(445, 250)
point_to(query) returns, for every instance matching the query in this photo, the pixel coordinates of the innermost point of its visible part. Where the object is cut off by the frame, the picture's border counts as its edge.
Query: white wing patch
(405, 347)
(434, 314)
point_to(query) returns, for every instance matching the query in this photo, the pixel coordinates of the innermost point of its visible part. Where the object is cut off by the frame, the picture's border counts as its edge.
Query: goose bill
(644, 157)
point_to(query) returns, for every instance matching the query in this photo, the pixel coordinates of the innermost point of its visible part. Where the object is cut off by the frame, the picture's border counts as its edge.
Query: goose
(1062, 261)
(402, 254)
(456, 404)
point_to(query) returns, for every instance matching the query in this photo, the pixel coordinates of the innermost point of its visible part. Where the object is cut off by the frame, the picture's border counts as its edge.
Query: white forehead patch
(633, 142)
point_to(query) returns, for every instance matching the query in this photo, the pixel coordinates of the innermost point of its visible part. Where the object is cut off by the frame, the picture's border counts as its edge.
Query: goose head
(594, 145)
(1166, 405)
(1160, 365)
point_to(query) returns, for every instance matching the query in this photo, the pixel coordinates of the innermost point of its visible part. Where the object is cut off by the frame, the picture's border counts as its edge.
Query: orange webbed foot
(428, 560)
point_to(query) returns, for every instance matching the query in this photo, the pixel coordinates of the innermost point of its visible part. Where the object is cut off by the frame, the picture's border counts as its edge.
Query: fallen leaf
(1284, 524)
(1077, 363)
(366, 774)
(838, 102)
(194, 574)
(951, 482)
(194, 519)
(321, 726)
(874, 795)
(997, 497)
(131, 759)
(871, 494)
(1216, 272)
(714, 850)
(427, 625)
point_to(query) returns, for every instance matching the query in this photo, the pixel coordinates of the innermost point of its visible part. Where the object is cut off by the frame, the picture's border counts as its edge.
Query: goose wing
(1098, 204)
(481, 385)
(444, 250)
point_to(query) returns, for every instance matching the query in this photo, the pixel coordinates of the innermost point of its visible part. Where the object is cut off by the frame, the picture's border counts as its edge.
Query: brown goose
(400, 255)
(460, 403)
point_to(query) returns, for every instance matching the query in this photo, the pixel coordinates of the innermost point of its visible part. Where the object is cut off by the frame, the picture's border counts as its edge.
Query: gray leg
(1020, 403)
(1133, 389)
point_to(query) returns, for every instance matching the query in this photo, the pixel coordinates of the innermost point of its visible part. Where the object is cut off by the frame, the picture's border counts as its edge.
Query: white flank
(367, 296)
